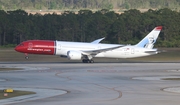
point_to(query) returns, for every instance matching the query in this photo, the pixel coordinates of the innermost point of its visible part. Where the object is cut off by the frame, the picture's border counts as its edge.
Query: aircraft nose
(17, 48)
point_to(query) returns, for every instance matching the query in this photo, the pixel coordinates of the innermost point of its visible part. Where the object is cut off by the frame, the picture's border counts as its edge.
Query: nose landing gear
(26, 56)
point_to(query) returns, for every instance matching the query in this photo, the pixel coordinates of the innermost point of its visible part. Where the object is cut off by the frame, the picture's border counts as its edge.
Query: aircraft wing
(94, 52)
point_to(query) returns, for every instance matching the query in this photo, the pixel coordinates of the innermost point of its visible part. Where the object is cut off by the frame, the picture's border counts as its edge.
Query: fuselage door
(58, 46)
(132, 50)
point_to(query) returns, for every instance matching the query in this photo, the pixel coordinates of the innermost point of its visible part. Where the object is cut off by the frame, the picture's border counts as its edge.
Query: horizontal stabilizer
(152, 52)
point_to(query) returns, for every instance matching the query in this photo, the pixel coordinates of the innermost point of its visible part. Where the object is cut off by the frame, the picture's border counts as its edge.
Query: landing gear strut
(26, 56)
(87, 61)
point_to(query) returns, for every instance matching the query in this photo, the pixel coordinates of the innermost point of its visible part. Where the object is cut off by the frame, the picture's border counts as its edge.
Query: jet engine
(74, 55)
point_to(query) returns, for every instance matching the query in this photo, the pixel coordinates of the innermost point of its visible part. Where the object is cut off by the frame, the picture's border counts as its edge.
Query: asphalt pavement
(93, 84)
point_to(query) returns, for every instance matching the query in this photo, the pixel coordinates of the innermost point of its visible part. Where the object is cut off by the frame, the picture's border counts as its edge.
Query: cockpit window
(21, 44)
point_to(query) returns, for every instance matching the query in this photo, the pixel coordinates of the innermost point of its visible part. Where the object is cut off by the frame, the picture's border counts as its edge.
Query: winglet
(158, 28)
(97, 41)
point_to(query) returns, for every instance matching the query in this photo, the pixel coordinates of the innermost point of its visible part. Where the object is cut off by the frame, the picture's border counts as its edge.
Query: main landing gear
(87, 61)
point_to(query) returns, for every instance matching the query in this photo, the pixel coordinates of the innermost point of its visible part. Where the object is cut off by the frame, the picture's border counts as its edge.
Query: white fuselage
(128, 51)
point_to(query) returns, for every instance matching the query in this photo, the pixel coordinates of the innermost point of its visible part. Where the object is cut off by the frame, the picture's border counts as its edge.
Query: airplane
(87, 51)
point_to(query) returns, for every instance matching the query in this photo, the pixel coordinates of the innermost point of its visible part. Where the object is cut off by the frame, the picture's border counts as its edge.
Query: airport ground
(150, 80)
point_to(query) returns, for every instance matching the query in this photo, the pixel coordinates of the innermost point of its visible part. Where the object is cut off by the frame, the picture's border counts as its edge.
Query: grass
(171, 79)
(14, 94)
(4, 69)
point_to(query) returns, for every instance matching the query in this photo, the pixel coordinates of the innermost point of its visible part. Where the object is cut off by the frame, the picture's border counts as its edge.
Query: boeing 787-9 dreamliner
(87, 51)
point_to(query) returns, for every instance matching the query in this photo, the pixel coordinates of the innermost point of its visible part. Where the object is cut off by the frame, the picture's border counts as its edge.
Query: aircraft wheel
(84, 61)
(91, 61)
(87, 61)
(26, 57)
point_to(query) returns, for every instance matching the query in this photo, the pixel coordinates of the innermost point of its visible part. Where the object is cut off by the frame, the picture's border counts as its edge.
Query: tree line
(85, 26)
(88, 4)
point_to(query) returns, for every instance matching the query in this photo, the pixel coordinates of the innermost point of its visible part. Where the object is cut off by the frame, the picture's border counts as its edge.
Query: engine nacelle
(74, 55)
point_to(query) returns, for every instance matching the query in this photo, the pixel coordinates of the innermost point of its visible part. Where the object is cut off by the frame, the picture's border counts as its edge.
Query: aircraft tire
(91, 61)
(84, 61)
(87, 61)
(26, 57)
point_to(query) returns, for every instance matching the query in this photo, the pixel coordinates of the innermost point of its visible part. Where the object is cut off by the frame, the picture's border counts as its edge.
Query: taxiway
(94, 84)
